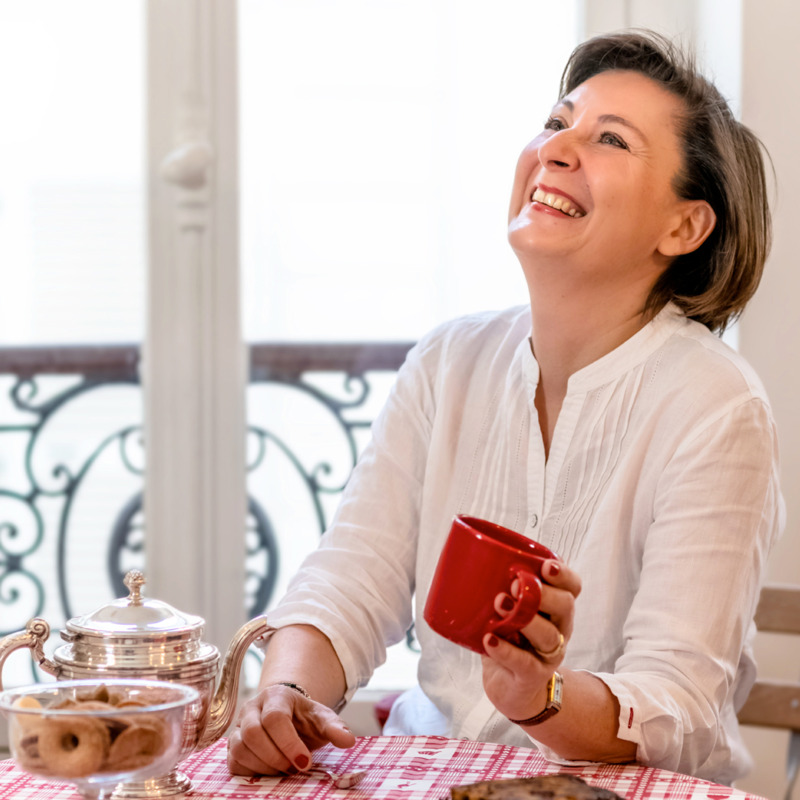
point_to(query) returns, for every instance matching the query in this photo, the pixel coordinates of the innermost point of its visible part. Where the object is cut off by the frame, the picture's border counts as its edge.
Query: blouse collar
(630, 353)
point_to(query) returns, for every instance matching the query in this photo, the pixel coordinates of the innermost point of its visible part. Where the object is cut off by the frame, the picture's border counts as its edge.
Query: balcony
(72, 463)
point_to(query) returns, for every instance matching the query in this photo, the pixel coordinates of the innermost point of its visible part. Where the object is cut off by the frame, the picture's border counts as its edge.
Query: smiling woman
(606, 420)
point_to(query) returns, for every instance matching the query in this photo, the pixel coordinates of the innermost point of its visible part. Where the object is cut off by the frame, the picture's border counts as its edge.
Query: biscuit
(135, 747)
(73, 747)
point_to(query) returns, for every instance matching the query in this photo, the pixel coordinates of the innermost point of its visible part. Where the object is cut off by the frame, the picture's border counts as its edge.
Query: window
(72, 250)
(378, 147)
(72, 236)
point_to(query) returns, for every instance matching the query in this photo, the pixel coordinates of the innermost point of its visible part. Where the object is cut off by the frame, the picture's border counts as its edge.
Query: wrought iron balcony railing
(72, 464)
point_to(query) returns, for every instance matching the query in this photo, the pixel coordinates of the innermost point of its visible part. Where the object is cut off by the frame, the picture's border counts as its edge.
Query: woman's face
(596, 185)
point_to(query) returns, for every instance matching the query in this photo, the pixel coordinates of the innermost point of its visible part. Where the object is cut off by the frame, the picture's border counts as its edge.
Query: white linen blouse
(661, 489)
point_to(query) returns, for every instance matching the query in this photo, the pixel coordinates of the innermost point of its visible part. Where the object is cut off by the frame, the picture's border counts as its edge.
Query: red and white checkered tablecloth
(398, 768)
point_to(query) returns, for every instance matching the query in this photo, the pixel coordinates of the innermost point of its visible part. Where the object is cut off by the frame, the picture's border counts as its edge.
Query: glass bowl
(97, 734)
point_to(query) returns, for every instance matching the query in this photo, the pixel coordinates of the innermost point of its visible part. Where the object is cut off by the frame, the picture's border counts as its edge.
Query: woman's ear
(696, 221)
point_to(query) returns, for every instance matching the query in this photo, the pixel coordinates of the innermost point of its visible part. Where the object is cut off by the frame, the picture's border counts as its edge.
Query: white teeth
(556, 201)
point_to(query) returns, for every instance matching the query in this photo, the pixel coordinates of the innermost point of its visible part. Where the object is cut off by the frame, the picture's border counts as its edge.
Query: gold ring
(551, 655)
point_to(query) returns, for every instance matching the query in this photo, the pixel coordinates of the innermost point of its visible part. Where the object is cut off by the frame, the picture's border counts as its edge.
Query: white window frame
(194, 365)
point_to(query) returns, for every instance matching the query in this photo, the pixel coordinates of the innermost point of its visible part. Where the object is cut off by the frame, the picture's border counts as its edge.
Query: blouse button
(534, 520)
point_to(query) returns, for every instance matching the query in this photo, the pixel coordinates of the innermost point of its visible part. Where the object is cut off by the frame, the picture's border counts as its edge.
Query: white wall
(770, 329)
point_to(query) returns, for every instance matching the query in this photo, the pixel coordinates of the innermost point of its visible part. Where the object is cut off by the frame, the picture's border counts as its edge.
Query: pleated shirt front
(660, 489)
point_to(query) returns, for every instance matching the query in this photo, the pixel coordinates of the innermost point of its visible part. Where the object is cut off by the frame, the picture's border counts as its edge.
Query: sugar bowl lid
(136, 616)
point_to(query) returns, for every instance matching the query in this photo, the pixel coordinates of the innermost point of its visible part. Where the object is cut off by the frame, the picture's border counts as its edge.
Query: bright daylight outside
(378, 143)
(72, 257)
(378, 146)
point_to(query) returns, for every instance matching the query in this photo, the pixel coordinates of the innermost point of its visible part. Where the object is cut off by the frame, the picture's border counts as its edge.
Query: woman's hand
(515, 678)
(277, 730)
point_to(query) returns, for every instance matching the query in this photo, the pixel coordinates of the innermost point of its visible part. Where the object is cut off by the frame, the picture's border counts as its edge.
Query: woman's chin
(531, 241)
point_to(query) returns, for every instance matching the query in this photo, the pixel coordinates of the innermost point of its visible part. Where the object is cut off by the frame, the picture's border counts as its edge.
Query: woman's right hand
(278, 729)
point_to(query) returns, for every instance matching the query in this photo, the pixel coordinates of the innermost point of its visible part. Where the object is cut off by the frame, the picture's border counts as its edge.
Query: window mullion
(194, 366)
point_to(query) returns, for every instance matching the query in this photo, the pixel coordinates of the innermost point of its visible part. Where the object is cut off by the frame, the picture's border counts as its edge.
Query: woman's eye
(554, 124)
(613, 139)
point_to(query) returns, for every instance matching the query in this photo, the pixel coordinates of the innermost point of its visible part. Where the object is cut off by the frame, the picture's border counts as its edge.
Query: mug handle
(525, 609)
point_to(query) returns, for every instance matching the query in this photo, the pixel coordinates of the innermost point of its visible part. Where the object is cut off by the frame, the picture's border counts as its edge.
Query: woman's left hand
(515, 678)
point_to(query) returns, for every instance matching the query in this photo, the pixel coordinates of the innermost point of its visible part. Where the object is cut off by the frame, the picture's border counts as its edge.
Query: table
(398, 768)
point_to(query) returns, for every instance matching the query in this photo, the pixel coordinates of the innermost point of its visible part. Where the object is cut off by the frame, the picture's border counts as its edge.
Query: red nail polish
(507, 603)
(555, 569)
(301, 762)
(492, 641)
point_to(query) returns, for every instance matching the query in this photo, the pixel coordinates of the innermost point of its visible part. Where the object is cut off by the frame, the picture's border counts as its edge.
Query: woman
(606, 420)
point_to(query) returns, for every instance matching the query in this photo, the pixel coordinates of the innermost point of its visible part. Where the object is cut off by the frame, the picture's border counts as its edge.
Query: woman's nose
(559, 151)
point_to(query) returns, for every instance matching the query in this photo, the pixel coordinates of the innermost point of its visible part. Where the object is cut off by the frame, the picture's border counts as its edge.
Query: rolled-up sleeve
(686, 653)
(357, 587)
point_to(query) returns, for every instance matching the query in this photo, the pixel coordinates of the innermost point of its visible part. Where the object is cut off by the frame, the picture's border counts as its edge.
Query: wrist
(552, 705)
(295, 686)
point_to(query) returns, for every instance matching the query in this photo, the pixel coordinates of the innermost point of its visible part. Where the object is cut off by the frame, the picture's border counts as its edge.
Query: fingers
(557, 608)
(282, 730)
(277, 731)
(560, 587)
(337, 733)
(556, 613)
(557, 574)
(513, 679)
(252, 748)
(512, 658)
(260, 759)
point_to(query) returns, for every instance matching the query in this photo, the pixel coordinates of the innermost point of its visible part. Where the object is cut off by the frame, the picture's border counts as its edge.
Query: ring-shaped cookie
(137, 746)
(26, 745)
(73, 747)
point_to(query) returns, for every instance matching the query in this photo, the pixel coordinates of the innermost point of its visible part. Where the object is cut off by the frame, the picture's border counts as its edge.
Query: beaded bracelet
(295, 687)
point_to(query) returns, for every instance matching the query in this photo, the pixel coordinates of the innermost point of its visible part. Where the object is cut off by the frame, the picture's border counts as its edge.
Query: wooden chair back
(774, 703)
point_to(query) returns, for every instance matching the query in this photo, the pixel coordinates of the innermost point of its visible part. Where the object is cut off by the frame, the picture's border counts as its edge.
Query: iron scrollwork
(46, 468)
(311, 393)
(38, 503)
(126, 551)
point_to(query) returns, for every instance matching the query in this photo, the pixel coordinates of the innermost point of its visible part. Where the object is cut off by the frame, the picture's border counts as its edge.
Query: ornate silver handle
(224, 703)
(36, 633)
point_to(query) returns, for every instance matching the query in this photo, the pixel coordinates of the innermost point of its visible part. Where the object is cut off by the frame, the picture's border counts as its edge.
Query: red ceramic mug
(481, 559)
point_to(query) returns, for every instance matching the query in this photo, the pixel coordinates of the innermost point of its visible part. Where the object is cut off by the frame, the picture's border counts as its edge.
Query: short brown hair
(723, 164)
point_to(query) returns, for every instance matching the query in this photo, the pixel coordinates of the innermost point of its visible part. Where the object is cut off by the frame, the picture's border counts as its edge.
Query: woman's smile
(603, 166)
(546, 199)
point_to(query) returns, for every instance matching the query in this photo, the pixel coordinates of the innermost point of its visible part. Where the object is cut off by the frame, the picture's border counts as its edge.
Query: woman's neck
(571, 331)
(568, 339)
